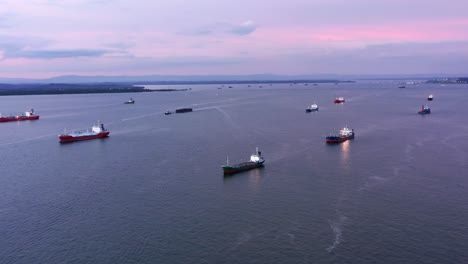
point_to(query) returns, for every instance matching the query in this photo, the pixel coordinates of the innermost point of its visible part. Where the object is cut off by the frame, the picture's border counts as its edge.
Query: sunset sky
(40, 38)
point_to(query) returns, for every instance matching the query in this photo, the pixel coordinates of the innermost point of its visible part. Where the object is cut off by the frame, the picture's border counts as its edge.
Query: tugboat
(167, 112)
(424, 110)
(430, 97)
(345, 134)
(97, 131)
(28, 115)
(256, 161)
(130, 101)
(312, 108)
(339, 100)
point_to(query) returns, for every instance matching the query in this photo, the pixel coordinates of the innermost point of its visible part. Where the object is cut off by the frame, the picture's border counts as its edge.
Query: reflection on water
(344, 153)
(255, 177)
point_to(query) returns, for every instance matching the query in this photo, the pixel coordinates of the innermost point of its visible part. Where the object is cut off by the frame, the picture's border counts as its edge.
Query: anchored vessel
(28, 115)
(345, 134)
(97, 131)
(312, 108)
(256, 161)
(183, 110)
(339, 100)
(130, 101)
(424, 110)
(430, 97)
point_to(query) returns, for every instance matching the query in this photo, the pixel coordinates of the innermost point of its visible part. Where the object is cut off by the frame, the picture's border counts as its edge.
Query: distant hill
(147, 79)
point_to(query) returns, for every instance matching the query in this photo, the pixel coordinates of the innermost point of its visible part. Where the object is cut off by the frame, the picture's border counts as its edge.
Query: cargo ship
(345, 134)
(312, 108)
(97, 131)
(130, 101)
(256, 161)
(430, 97)
(339, 100)
(424, 110)
(183, 110)
(28, 115)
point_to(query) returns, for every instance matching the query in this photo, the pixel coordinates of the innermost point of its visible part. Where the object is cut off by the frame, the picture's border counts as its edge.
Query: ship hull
(339, 101)
(333, 140)
(423, 113)
(429, 99)
(68, 138)
(18, 118)
(228, 170)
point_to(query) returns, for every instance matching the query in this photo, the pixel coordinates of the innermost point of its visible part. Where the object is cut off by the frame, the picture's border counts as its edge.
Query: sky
(46, 38)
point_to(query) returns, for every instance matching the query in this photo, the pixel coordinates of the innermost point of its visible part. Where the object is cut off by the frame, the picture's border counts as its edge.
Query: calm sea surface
(153, 192)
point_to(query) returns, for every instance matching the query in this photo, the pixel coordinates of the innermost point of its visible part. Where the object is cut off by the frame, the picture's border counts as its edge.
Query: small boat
(97, 131)
(401, 86)
(424, 110)
(339, 100)
(28, 115)
(167, 112)
(183, 110)
(130, 101)
(345, 134)
(430, 97)
(256, 161)
(312, 108)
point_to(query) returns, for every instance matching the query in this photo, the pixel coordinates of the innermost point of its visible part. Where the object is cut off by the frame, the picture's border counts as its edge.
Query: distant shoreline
(53, 89)
(135, 87)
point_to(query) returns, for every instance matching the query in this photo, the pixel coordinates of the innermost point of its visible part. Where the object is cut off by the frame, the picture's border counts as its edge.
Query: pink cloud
(416, 31)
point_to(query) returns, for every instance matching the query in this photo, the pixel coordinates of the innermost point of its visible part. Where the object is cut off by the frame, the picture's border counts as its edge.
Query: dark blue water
(153, 192)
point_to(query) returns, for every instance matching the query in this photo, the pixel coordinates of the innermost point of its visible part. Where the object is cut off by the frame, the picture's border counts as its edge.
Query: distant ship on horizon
(424, 110)
(312, 108)
(339, 100)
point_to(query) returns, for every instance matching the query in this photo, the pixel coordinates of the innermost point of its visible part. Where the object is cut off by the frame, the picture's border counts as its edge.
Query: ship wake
(337, 228)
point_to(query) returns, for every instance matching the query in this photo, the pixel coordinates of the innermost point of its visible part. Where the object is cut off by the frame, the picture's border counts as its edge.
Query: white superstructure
(257, 157)
(346, 132)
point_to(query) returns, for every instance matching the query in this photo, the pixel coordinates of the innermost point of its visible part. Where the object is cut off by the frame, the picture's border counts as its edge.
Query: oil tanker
(97, 131)
(28, 115)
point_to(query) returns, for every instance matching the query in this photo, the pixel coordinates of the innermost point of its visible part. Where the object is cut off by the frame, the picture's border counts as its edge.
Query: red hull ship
(339, 100)
(28, 115)
(97, 131)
